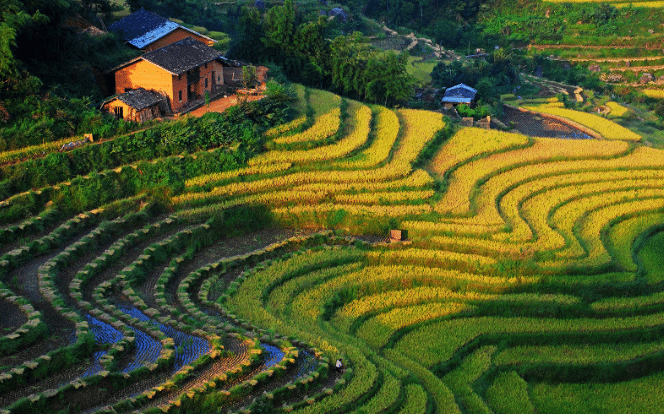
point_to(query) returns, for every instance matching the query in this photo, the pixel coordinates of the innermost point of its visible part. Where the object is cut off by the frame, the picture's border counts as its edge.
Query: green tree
(279, 27)
(249, 77)
(16, 84)
(486, 91)
(137, 4)
(349, 57)
(309, 42)
(386, 78)
(96, 6)
(358, 69)
(249, 35)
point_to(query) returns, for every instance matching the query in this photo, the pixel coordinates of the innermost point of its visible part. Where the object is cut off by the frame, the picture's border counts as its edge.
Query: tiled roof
(153, 35)
(459, 94)
(143, 27)
(140, 98)
(138, 24)
(181, 56)
(456, 100)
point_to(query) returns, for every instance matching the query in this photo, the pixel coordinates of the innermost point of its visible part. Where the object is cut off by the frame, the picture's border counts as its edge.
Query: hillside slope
(530, 279)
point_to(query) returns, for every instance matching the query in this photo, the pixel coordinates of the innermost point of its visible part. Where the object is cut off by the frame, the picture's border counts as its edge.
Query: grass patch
(420, 70)
(643, 395)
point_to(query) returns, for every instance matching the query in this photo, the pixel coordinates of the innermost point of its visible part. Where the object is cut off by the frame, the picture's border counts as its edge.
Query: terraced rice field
(531, 279)
(617, 3)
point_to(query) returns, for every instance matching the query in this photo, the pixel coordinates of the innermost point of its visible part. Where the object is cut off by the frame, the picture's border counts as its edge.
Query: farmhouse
(148, 31)
(459, 94)
(137, 105)
(182, 71)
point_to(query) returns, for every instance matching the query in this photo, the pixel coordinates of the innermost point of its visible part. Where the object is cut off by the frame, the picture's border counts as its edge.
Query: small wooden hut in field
(137, 105)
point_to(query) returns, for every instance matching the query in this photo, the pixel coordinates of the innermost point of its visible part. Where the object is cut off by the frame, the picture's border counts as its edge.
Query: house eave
(153, 35)
(456, 100)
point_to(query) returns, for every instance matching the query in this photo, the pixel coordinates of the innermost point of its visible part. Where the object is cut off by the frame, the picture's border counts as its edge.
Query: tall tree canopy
(302, 47)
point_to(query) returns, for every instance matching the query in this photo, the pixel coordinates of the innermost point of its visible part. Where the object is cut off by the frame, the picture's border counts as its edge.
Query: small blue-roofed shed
(459, 94)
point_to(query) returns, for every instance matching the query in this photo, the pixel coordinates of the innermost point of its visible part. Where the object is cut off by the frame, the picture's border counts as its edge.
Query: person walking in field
(339, 366)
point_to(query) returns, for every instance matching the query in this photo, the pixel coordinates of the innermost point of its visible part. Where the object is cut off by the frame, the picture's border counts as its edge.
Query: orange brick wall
(174, 36)
(179, 85)
(207, 73)
(143, 74)
(127, 111)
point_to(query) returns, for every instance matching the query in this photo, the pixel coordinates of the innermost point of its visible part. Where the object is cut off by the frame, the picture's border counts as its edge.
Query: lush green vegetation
(532, 267)
(302, 48)
(640, 395)
(224, 263)
(48, 75)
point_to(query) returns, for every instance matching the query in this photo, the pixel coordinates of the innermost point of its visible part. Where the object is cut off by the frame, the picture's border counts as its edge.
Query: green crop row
(508, 394)
(366, 378)
(441, 395)
(209, 270)
(28, 333)
(390, 395)
(29, 227)
(160, 178)
(576, 354)
(461, 380)
(450, 336)
(189, 135)
(205, 398)
(57, 359)
(15, 258)
(416, 400)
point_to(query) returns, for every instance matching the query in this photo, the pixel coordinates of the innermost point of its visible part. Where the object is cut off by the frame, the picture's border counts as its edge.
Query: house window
(206, 66)
(218, 78)
(179, 77)
(206, 83)
(180, 95)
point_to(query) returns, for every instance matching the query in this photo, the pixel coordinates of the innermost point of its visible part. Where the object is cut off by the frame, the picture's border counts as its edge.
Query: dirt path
(591, 47)
(220, 105)
(99, 141)
(609, 60)
(637, 68)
